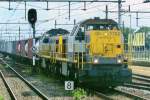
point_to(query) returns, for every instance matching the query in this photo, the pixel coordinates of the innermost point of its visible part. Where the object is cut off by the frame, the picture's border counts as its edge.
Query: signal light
(32, 16)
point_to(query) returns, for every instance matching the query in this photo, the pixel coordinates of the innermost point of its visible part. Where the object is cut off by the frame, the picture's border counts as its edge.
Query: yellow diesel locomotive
(93, 53)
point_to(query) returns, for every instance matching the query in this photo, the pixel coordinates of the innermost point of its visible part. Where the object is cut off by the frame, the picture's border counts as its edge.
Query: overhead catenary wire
(66, 12)
(93, 11)
(13, 13)
(50, 8)
(63, 14)
(93, 7)
(133, 4)
(45, 20)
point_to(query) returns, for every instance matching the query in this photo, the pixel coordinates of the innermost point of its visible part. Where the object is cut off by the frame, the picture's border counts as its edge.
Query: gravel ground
(21, 90)
(50, 86)
(139, 81)
(139, 92)
(118, 96)
(3, 91)
(141, 70)
(53, 88)
(115, 95)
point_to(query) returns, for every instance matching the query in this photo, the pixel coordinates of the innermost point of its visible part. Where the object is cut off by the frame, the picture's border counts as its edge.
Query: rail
(44, 97)
(136, 97)
(103, 96)
(13, 97)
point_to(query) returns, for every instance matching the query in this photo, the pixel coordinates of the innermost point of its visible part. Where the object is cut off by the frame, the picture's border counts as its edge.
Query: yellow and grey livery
(93, 52)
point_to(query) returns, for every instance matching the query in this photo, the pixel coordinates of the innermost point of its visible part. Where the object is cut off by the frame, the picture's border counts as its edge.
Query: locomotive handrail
(78, 56)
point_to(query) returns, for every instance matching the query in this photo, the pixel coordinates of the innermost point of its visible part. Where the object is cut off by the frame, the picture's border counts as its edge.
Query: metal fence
(140, 53)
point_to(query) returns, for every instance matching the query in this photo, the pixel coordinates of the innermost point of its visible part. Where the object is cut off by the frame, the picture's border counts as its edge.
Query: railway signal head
(32, 16)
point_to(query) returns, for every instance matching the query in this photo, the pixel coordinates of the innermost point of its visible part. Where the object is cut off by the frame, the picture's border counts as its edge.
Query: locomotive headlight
(95, 60)
(119, 61)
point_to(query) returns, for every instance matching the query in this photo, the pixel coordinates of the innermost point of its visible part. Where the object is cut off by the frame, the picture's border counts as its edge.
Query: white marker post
(69, 85)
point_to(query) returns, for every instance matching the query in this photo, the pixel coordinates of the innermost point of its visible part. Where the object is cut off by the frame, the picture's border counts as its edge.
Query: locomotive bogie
(105, 75)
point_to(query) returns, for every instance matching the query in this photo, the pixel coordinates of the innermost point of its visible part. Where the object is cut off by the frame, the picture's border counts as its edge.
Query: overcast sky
(59, 12)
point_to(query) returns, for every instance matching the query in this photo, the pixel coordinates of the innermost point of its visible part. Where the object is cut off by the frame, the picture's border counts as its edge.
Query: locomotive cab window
(80, 34)
(101, 27)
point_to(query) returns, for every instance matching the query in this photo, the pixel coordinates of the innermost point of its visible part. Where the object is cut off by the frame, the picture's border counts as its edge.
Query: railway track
(138, 86)
(18, 87)
(117, 94)
(7, 87)
(141, 77)
(102, 95)
(50, 86)
(143, 83)
(129, 94)
(139, 89)
(136, 93)
(140, 82)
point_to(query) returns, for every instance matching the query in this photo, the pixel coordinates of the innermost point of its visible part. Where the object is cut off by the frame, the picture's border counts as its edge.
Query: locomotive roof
(54, 32)
(97, 21)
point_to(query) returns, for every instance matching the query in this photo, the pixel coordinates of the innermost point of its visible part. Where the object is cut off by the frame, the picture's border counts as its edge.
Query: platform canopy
(61, 0)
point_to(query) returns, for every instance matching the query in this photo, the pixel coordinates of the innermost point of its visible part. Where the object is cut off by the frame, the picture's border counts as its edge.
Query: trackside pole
(32, 18)
(33, 49)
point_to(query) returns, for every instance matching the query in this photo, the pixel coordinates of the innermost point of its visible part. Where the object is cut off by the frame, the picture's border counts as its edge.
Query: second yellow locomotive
(92, 53)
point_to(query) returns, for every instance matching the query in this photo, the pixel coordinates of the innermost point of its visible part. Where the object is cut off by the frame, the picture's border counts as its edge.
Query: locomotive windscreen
(101, 27)
(54, 32)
